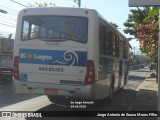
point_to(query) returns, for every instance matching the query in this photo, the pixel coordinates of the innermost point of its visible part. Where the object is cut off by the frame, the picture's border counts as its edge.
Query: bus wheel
(111, 91)
(124, 83)
(125, 80)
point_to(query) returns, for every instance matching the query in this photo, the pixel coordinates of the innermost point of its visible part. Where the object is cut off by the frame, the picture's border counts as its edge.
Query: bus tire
(111, 92)
(125, 80)
(124, 83)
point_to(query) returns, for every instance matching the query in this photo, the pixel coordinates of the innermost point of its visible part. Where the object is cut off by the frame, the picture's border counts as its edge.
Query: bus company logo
(35, 56)
(69, 58)
(27, 55)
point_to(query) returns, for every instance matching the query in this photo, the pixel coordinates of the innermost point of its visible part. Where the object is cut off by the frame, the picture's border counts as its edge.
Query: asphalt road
(122, 100)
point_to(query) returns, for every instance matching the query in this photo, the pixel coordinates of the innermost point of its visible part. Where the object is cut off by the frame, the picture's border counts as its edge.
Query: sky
(115, 11)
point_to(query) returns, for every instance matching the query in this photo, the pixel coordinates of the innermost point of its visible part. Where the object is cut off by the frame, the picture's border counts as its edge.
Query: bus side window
(125, 50)
(111, 43)
(117, 46)
(25, 30)
(101, 39)
(107, 41)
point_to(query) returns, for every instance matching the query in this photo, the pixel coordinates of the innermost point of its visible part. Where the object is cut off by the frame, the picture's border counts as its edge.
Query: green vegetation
(143, 24)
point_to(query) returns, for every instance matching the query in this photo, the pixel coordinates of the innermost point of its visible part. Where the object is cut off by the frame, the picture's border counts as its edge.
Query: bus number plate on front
(51, 91)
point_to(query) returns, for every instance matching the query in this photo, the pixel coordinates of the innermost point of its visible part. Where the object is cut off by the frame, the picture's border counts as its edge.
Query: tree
(147, 32)
(136, 17)
(143, 25)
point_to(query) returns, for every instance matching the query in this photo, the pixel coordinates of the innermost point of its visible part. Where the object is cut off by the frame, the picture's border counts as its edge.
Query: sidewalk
(146, 99)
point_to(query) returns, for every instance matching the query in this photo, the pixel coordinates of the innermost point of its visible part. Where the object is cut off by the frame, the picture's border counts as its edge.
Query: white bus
(68, 53)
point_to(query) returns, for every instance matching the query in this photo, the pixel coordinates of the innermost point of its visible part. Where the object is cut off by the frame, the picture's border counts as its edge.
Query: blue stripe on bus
(53, 57)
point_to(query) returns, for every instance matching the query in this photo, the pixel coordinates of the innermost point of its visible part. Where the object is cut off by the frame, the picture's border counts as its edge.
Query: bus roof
(64, 10)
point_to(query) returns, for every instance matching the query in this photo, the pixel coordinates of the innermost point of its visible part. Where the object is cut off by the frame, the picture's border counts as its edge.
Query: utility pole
(78, 2)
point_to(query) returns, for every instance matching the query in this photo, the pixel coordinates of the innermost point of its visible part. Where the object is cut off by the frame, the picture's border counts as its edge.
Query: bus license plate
(51, 91)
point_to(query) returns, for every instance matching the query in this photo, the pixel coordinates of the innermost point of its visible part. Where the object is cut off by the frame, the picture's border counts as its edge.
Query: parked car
(142, 65)
(136, 67)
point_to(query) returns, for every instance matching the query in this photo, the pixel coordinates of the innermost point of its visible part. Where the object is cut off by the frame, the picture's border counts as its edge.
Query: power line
(8, 18)
(7, 25)
(9, 12)
(7, 22)
(4, 33)
(18, 3)
(8, 8)
(2, 10)
(13, 13)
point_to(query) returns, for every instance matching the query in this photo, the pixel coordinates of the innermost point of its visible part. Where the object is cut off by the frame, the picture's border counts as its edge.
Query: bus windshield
(55, 28)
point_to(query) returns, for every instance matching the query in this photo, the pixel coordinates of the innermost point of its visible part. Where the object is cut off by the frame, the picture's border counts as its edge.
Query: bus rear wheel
(125, 79)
